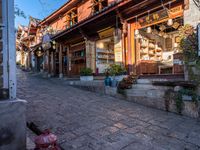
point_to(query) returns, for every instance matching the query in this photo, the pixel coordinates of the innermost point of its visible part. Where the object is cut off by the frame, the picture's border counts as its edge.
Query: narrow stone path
(87, 121)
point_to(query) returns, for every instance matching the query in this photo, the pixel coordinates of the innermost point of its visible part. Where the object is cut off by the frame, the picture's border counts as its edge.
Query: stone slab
(12, 125)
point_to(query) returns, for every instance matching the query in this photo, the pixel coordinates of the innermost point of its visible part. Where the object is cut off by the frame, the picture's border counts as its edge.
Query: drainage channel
(35, 129)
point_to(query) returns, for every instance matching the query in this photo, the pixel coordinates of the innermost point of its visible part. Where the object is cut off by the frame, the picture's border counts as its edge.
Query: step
(153, 93)
(149, 87)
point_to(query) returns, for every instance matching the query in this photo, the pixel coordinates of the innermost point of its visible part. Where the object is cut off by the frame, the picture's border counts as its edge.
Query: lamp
(149, 30)
(165, 35)
(170, 22)
(136, 31)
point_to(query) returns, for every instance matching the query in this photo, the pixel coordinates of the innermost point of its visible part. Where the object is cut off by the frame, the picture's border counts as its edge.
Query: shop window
(98, 5)
(71, 18)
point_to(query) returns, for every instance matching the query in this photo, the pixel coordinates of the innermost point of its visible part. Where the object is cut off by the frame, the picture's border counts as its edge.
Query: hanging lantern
(136, 32)
(170, 22)
(165, 35)
(149, 30)
(161, 33)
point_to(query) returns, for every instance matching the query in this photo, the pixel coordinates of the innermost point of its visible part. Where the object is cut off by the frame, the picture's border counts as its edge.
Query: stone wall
(192, 14)
(143, 93)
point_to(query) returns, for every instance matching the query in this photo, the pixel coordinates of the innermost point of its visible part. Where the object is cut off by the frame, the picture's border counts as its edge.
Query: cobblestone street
(87, 121)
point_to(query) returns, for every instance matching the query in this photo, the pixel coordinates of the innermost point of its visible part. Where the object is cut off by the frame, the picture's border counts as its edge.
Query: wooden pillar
(68, 61)
(60, 62)
(130, 64)
(133, 47)
(48, 63)
(28, 60)
(52, 64)
(44, 62)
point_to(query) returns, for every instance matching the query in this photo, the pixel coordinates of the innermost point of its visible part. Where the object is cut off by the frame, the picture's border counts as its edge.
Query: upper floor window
(98, 5)
(72, 17)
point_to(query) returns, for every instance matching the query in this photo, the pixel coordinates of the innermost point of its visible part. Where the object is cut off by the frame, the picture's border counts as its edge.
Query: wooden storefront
(77, 58)
(156, 40)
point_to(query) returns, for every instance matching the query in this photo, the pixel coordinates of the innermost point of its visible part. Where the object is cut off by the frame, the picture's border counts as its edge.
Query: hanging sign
(118, 49)
(153, 18)
(160, 15)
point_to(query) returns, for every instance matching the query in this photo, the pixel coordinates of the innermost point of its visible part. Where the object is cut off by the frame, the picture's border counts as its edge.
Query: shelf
(144, 53)
(106, 53)
(144, 46)
(158, 50)
(78, 58)
(106, 58)
(151, 55)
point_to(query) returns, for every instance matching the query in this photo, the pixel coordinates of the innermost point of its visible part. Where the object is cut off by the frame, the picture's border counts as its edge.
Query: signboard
(153, 18)
(159, 16)
(118, 50)
(198, 34)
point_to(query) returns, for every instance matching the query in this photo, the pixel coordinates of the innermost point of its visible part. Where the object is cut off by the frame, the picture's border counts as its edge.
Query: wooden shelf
(106, 58)
(106, 53)
(78, 58)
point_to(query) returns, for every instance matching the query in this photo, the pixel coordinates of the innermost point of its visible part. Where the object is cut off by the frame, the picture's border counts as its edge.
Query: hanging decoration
(170, 21)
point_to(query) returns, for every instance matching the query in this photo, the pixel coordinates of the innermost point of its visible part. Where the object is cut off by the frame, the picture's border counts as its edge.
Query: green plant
(189, 47)
(179, 98)
(18, 63)
(179, 102)
(115, 69)
(86, 72)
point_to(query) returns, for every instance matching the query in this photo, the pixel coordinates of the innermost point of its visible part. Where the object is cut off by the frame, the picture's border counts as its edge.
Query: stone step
(149, 87)
(144, 81)
(153, 93)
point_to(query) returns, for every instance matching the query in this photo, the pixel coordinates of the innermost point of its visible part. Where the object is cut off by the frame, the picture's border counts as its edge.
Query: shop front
(76, 58)
(108, 49)
(157, 42)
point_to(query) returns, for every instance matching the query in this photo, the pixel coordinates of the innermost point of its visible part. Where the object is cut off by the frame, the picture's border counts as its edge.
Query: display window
(104, 54)
(157, 46)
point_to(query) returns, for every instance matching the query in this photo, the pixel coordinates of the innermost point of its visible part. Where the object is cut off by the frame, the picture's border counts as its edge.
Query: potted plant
(86, 74)
(118, 72)
(107, 80)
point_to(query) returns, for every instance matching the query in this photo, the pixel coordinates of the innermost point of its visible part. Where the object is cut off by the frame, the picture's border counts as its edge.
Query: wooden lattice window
(98, 5)
(71, 17)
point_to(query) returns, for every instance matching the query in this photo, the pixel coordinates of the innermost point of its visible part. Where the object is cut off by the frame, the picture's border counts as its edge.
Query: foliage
(126, 83)
(18, 12)
(115, 69)
(179, 101)
(189, 42)
(189, 47)
(18, 63)
(86, 72)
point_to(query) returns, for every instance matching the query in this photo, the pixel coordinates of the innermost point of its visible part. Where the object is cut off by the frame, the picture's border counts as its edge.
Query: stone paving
(87, 121)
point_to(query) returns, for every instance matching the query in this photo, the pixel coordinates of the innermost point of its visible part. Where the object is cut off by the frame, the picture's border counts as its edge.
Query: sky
(36, 8)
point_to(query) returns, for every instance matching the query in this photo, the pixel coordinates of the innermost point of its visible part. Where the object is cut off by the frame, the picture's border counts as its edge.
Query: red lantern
(46, 141)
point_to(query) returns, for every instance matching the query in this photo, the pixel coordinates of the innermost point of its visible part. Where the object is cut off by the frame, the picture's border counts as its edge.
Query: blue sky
(36, 8)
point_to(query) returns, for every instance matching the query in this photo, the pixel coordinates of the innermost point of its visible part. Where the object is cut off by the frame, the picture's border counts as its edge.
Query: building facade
(141, 35)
